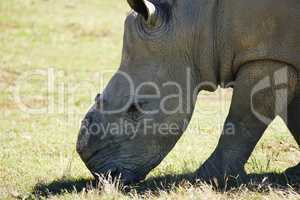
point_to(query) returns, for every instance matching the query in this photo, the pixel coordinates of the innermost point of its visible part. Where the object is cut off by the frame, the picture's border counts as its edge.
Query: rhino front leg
(258, 97)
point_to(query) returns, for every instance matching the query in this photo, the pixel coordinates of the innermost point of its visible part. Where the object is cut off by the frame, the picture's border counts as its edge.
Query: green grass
(78, 39)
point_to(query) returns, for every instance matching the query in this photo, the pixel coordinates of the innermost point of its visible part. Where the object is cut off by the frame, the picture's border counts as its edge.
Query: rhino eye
(134, 112)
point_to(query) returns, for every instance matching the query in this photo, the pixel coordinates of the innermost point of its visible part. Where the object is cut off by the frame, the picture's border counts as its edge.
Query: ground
(68, 44)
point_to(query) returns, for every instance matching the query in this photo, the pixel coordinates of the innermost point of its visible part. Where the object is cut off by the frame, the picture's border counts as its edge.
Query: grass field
(73, 41)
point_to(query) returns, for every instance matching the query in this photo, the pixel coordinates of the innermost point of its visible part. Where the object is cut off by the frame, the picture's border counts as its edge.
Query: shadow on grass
(258, 182)
(153, 185)
(59, 187)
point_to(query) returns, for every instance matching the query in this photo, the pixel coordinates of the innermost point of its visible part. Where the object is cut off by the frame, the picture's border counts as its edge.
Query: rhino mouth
(116, 173)
(111, 171)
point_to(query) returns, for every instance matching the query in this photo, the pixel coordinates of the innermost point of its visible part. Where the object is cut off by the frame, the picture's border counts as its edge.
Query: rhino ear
(145, 8)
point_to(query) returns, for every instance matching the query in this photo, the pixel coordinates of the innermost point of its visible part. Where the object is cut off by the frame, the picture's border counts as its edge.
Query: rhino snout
(88, 135)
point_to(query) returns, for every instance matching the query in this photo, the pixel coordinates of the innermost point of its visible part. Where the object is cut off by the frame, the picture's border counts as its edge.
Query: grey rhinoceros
(172, 50)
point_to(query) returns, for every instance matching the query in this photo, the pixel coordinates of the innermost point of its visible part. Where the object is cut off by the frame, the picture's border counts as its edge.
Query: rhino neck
(205, 42)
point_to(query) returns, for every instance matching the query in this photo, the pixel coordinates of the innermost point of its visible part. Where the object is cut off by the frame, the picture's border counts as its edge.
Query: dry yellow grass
(77, 39)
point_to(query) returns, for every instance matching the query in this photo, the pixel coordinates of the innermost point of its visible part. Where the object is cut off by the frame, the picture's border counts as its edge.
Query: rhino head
(148, 103)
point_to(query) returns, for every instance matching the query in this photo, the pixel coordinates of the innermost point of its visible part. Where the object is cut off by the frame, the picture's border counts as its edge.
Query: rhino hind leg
(253, 108)
(293, 124)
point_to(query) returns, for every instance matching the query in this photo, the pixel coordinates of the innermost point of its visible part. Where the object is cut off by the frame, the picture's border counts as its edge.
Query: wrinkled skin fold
(174, 49)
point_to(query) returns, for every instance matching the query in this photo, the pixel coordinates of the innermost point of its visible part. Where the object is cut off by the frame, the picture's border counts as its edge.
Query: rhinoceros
(174, 49)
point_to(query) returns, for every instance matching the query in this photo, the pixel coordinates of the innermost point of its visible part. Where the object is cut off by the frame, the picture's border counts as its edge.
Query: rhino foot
(215, 174)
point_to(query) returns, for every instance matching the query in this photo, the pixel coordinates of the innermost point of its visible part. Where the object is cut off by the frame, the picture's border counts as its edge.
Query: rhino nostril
(84, 130)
